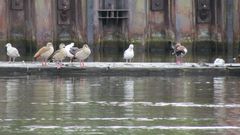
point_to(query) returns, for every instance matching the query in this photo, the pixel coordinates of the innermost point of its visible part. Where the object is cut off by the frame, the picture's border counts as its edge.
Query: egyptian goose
(129, 53)
(81, 54)
(179, 51)
(12, 52)
(59, 55)
(44, 53)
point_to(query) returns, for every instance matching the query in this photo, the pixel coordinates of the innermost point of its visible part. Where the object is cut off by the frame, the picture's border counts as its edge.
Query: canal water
(157, 105)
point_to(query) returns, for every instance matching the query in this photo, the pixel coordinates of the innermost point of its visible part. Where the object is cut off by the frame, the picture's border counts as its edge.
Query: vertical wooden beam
(3, 20)
(3, 26)
(44, 21)
(229, 30)
(90, 22)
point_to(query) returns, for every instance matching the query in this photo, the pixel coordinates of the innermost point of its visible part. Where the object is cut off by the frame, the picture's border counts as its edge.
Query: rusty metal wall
(141, 21)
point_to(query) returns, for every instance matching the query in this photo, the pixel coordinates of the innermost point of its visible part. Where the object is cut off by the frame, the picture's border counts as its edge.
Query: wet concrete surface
(119, 69)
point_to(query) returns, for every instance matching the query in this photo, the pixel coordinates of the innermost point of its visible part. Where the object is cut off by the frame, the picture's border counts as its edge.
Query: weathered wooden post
(44, 21)
(229, 30)
(90, 30)
(90, 20)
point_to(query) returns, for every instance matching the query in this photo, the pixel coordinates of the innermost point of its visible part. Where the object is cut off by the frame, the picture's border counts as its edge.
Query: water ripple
(158, 104)
(72, 128)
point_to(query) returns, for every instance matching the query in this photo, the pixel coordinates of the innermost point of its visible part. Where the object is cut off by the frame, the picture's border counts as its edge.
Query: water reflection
(182, 104)
(221, 92)
(12, 98)
(128, 96)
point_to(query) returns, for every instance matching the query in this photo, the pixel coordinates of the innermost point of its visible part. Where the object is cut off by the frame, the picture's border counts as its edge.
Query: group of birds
(81, 54)
(58, 56)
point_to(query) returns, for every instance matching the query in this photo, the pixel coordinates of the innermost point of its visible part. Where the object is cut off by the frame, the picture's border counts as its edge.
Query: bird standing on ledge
(12, 52)
(81, 54)
(129, 53)
(44, 53)
(67, 48)
(179, 51)
(59, 55)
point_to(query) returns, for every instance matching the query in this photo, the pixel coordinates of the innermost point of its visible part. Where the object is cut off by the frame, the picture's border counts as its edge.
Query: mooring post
(229, 30)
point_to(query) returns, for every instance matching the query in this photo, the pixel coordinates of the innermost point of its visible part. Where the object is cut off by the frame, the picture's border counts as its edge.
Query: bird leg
(59, 65)
(81, 63)
(44, 62)
(9, 60)
(178, 60)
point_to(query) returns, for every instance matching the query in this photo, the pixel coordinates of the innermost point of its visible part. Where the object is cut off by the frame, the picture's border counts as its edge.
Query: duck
(129, 53)
(69, 54)
(179, 51)
(59, 55)
(12, 52)
(44, 53)
(81, 53)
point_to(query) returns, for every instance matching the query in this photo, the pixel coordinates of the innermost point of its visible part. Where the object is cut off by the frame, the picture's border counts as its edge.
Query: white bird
(12, 52)
(44, 53)
(59, 55)
(69, 54)
(219, 62)
(81, 54)
(129, 53)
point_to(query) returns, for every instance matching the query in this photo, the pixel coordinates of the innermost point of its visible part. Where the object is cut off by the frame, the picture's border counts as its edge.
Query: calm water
(183, 105)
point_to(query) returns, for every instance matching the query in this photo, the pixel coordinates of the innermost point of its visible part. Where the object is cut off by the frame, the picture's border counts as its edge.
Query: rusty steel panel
(63, 4)
(64, 17)
(157, 5)
(109, 4)
(17, 4)
(63, 12)
(203, 11)
(17, 19)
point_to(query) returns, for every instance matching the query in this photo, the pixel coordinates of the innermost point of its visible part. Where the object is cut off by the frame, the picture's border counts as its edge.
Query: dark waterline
(193, 105)
(139, 57)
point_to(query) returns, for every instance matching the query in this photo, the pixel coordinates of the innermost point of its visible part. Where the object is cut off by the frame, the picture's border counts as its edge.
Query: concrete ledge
(119, 69)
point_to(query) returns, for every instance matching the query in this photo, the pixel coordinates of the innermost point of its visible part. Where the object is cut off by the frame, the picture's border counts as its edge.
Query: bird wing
(56, 52)
(82, 53)
(68, 48)
(180, 48)
(41, 51)
(74, 50)
(59, 55)
(13, 52)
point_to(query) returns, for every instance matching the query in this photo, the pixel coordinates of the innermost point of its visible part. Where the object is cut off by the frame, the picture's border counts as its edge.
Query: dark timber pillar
(90, 22)
(229, 30)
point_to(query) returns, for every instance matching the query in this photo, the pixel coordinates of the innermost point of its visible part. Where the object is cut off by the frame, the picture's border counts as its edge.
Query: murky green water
(183, 105)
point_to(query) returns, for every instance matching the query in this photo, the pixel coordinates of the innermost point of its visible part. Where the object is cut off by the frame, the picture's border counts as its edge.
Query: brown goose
(44, 53)
(59, 55)
(81, 54)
